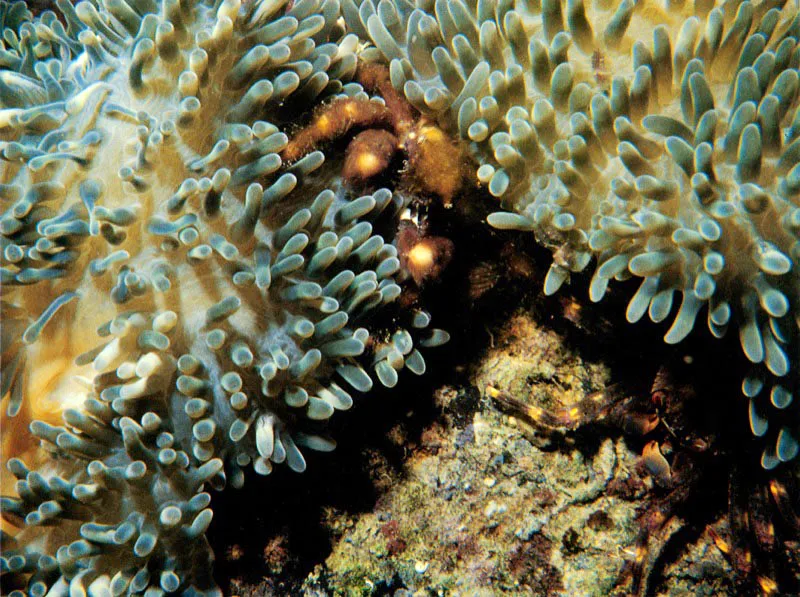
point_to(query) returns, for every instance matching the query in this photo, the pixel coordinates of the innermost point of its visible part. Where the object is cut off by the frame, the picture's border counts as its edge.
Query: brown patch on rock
(395, 544)
(529, 564)
(599, 521)
(571, 542)
(628, 488)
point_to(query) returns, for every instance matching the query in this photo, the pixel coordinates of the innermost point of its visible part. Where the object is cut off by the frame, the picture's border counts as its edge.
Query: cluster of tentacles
(642, 140)
(193, 283)
(181, 299)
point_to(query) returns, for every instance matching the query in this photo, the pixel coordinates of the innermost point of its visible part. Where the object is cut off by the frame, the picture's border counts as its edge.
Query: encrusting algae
(193, 282)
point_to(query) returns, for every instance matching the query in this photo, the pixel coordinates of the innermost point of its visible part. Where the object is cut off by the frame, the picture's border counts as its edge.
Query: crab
(687, 460)
(434, 162)
(381, 132)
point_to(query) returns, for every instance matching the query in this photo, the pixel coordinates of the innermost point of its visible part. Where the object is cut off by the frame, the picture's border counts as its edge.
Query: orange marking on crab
(423, 257)
(721, 544)
(776, 489)
(535, 413)
(323, 125)
(769, 586)
(334, 120)
(435, 164)
(351, 109)
(427, 258)
(527, 412)
(492, 392)
(368, 154)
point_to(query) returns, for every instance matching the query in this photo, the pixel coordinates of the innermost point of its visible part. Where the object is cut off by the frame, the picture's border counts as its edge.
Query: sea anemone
(674, 161)
(238, 300)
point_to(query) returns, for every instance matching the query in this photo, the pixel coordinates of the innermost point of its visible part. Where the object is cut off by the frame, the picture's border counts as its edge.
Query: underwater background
(224, 223)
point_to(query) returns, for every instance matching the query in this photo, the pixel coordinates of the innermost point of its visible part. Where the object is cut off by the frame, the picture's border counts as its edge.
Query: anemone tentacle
(179, 304)
(658, 141)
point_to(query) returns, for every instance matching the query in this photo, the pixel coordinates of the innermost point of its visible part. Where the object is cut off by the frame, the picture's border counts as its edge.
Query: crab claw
(656, 464)
(639, 423)
(368, 154)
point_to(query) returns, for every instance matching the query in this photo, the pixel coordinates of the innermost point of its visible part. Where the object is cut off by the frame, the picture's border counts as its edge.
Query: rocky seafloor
(458, 498)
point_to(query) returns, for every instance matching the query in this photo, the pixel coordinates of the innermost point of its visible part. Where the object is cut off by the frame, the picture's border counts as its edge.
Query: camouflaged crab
(689, 462)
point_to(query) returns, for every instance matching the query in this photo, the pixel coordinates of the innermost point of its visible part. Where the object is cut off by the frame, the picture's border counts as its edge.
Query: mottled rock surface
(481, 504)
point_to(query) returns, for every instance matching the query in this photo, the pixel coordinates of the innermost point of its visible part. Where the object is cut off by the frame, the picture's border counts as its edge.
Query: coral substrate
(468, 502)
(179, 304)
(656, 140)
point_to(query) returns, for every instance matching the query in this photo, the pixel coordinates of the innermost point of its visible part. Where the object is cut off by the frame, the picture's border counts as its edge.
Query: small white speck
(493, 508)
(420, 567)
